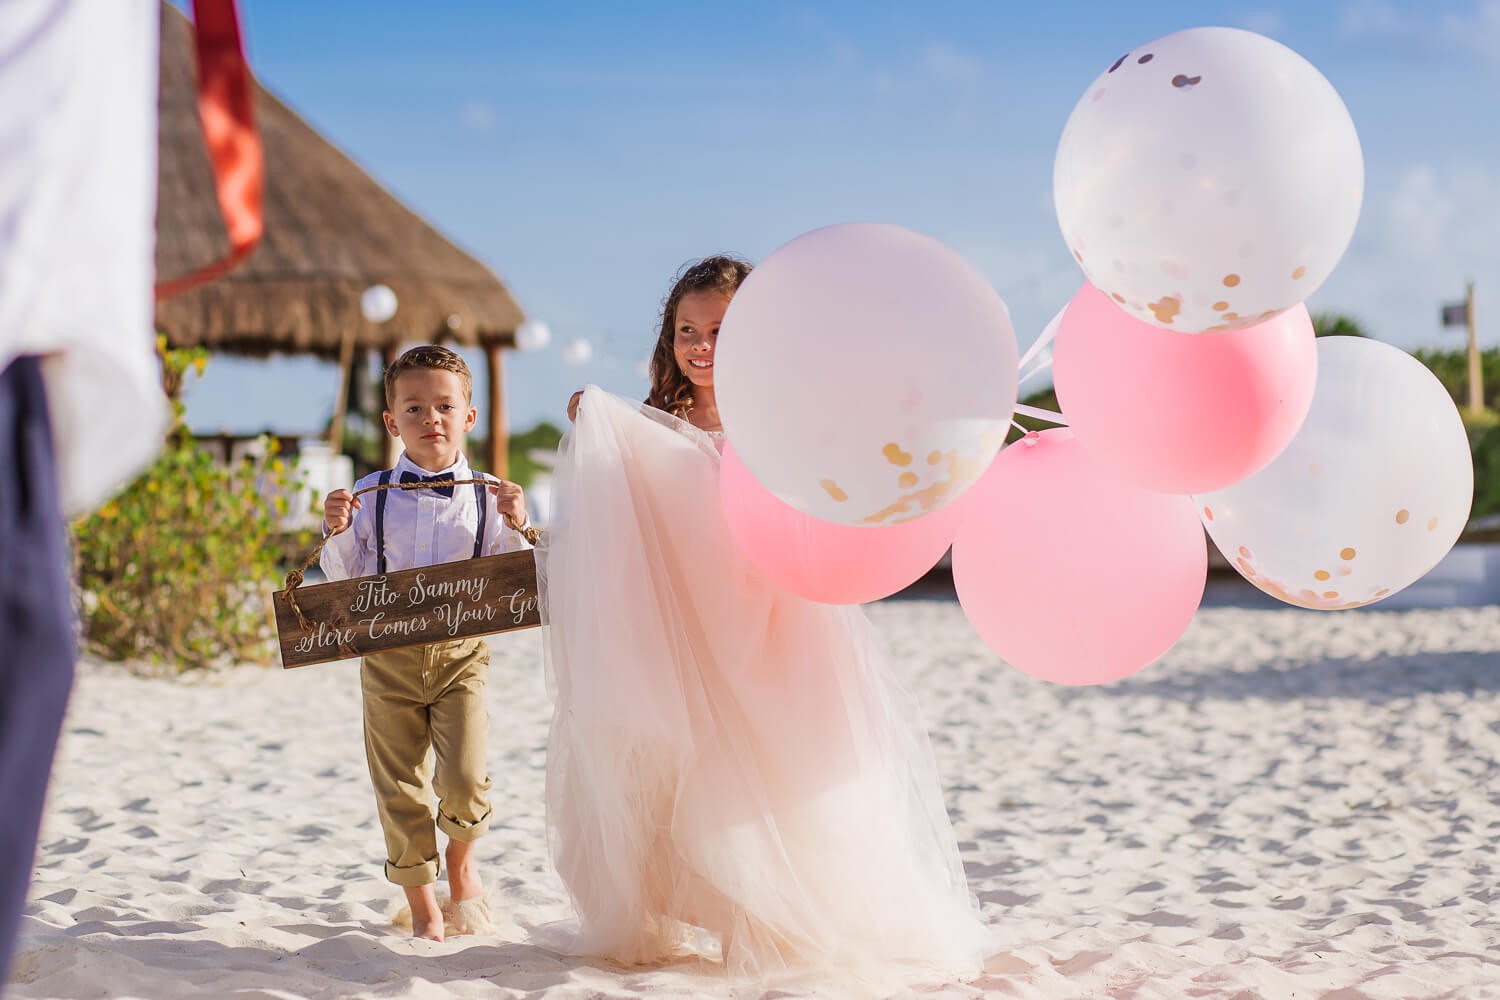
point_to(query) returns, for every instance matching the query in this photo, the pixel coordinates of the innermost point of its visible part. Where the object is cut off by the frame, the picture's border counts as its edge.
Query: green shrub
(1452, 369)
(1044, 399)
(1484, 445)
(179, 566)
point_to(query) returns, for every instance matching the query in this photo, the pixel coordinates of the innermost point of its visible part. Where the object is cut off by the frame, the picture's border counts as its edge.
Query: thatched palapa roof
(331, 232)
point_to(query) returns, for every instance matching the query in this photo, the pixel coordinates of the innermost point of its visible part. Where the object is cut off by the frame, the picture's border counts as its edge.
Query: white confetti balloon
(1370, 495)
(866, 373)
(1208, 180)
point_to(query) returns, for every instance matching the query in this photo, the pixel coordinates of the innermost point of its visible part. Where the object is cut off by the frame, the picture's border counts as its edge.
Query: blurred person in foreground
(81, 405)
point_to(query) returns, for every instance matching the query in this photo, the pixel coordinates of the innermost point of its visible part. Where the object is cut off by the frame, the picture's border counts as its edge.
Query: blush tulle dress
(732, 770)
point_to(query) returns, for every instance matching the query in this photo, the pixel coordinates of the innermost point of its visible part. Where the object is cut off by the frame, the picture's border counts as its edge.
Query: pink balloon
(827, 562)
(1182, 412)
(1070, 573)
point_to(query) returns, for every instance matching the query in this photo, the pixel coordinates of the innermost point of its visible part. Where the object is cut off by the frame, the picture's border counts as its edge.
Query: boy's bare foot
(426, 917)
(463, 871)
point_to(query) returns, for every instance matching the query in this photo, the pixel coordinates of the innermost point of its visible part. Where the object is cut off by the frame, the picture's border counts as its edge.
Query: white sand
(1290, 804)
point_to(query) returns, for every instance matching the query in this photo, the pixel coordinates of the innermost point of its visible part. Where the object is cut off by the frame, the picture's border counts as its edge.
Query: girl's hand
(573, 405)
(338, 510)
(510, 501)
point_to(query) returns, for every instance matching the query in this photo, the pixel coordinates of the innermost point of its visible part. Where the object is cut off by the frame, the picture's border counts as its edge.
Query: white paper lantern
(377, 303)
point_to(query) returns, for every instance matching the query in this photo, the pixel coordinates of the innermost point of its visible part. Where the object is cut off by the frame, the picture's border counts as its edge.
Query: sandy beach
(1289, 804)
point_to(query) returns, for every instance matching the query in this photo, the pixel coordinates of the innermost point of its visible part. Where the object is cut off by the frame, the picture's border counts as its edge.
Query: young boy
(427, 695)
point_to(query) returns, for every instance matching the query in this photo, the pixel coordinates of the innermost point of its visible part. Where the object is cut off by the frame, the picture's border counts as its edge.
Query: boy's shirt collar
(459, 469)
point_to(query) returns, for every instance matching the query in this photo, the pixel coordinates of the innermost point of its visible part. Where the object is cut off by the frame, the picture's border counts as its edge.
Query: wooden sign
(411, 607)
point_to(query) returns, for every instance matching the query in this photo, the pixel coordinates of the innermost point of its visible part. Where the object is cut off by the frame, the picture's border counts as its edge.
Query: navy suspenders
(385, 478)
(483, 511)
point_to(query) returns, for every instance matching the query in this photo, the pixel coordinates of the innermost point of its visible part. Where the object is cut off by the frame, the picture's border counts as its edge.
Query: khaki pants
(416, 698)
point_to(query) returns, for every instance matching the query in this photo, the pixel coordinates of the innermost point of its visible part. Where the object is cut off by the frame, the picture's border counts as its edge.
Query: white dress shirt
(421, 527)
(78, 82)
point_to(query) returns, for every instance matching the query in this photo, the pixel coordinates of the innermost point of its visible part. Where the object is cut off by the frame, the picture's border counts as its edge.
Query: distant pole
(499, 440)
(388, 356)
(1476, 377)
(341, 400)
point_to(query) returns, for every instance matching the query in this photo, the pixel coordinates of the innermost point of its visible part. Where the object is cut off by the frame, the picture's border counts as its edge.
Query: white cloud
(1371, 19)
(1475, 30)
(1429, 230)
(842, 52)
(946, 63)
(1479, 32)
(1269, 22)
(479, 115)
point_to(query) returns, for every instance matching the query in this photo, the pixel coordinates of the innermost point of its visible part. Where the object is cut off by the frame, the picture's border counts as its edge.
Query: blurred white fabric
(725, 755)
(78, 87)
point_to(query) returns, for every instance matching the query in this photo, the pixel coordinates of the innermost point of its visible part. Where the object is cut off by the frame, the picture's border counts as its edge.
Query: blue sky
(585, 151)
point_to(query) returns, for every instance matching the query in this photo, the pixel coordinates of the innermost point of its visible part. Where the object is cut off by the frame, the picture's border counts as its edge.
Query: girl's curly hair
(670, 388)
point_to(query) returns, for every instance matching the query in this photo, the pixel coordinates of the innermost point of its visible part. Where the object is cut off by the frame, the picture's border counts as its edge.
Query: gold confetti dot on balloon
(1166, 309)
(1346, 554)
(1230, 315)
(1330, 594)
(1230, 280)
(1403, 515)
(908, 480)
(1220, 306)
(934, 457)
(1382, 591)
(1117, 297)
(1208, 513)
(832, 489)
(1245, 552)
(1432, 525)
(895, 455)
(1322, 574)
(1297, 274)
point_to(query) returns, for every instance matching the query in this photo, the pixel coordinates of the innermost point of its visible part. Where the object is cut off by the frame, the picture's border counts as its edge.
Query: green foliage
(1484, 445)
(1452, 369)
(178, 566)
(1337, 325)
(1045, 399)
(521, 467)
(544, 437)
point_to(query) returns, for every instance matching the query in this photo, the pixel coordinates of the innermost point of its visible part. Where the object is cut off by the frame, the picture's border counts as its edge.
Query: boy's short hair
(429, 356)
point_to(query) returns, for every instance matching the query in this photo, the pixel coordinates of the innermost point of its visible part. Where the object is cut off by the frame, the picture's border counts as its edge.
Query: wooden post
(499, 437)
(1476, 376)
(388, 356)
(341, 401)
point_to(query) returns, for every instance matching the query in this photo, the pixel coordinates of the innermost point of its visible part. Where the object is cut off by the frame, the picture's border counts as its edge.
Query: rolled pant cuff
(424, 873)
(459, 830)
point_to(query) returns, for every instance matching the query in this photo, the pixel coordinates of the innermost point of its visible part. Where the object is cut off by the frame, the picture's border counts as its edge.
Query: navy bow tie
(441, 477)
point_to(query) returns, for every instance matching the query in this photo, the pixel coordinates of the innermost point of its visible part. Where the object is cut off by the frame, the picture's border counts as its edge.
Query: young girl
(731, 768)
